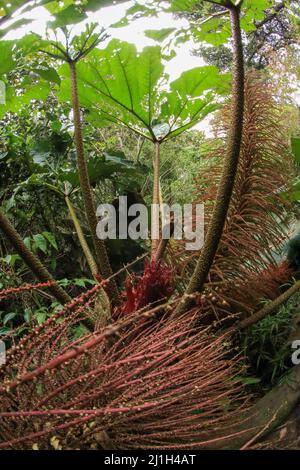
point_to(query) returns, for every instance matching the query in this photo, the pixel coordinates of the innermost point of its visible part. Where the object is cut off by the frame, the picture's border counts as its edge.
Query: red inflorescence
(155, 284)
(274, 277)
(25, 288)
(165, 386)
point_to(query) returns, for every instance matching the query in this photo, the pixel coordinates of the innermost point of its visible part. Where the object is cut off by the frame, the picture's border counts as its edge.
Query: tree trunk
(226, 185)
(155, 200)
(99, 245)
(265, 416)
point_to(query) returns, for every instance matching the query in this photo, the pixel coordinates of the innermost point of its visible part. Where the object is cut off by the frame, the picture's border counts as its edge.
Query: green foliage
(253, 10)
(267, 343)
(183, 5)
(104, 166)
(110, 165)
(296, 148)
(24, 88)
(178, 174)
(213, 28)
(44, 241)
(159, 35)
(293, 193)
(47, 73)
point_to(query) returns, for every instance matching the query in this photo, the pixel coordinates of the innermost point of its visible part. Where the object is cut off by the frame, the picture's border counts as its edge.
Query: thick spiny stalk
(104, 304)
(83, 243)
(99, 245)
(155, 199)
(218, 219)
(31, 260)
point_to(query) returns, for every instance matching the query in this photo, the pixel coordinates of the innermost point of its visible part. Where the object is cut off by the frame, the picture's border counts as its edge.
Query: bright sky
(132, 33)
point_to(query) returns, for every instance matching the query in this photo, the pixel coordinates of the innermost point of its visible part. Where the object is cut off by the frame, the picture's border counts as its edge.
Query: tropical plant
(157, 370)
(120, 85)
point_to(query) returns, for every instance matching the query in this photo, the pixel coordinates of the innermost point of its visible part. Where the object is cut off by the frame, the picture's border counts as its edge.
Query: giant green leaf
(40, 242)
(67, 16)
(121, 85)
(7, 62)
(216, 31)
(193, 96)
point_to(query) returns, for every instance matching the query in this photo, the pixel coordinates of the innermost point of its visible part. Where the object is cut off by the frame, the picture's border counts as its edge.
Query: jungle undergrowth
(267, 346)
